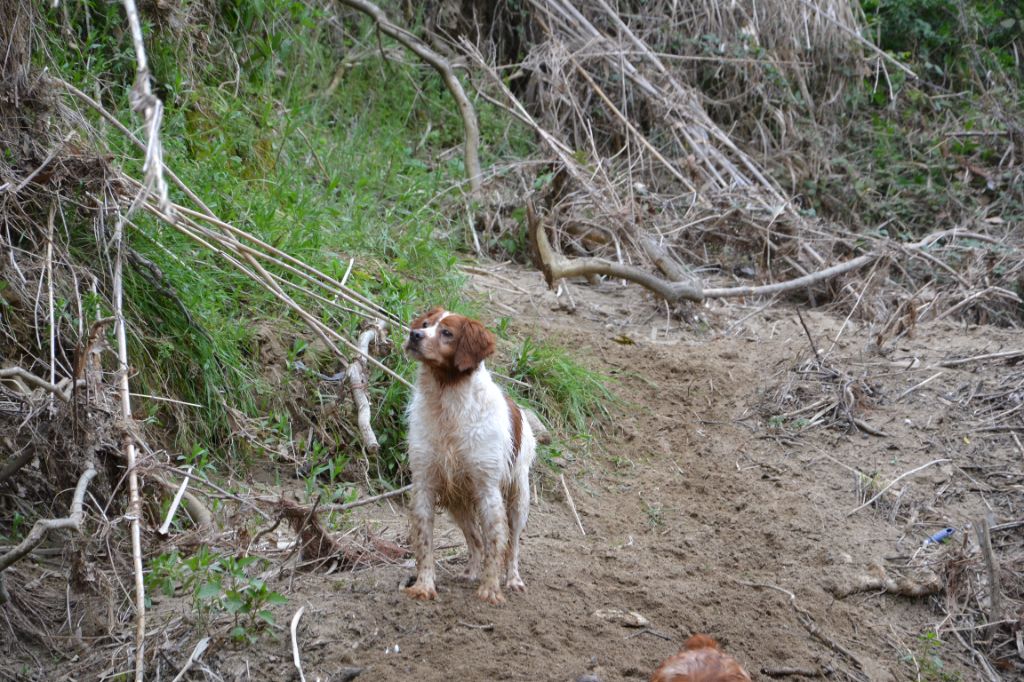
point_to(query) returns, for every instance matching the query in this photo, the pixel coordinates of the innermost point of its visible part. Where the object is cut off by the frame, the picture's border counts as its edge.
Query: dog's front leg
(422, 536)
(495, 530)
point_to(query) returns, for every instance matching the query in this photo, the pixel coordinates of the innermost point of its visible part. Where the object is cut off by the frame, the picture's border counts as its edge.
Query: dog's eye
(445, 332)
(425, 324)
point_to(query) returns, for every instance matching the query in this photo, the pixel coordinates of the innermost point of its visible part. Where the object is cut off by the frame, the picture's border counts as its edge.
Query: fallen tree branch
(441, 65)
(572, 505)
(34, 381)
(197, 651)
(43, 526)
(199, 512)
(174, 505)
(982, 528)
(347, 505)
(357, 376)
(555, 267)
(807, 621)
(977, 358)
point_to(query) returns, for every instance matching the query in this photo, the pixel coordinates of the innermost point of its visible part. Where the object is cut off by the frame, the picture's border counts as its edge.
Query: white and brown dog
(470, 451)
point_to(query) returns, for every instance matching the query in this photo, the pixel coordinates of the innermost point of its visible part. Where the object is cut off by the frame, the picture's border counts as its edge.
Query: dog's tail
(540, 432)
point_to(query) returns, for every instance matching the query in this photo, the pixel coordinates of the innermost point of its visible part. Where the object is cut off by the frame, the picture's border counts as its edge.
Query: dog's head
(451, 345)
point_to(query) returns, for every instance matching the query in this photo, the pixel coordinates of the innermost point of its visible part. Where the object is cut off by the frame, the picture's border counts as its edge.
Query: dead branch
(35, 381)
(43, 526)
(441, 65)
(807, 621)
(199, 512)
(554, 266)
(979, 358)
(316, 544)
(572, 505)
(793, 672)
(347, 505)
(197, 652)
(982, 528)
(357, 376)
(128, 444)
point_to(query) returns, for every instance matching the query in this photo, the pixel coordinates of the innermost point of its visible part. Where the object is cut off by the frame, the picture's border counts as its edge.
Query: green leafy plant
(929, 659)
(217, 584)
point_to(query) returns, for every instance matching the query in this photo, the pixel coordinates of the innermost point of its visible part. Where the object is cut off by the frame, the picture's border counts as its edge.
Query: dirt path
(694, 507)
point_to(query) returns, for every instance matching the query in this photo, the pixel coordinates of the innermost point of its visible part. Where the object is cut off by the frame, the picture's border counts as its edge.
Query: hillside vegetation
(862, 158)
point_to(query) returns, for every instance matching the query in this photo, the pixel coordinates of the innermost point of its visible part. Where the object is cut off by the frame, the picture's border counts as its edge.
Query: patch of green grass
(324, 173)
(330, 163)
(565, 393)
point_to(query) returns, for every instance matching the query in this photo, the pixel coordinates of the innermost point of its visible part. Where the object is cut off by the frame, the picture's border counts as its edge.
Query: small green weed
(929, 660)
(217, 585)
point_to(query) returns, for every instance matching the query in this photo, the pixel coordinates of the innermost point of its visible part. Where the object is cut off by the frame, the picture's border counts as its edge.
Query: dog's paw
(421, 592)
(515, 584)
(471, 575)
(491, 594)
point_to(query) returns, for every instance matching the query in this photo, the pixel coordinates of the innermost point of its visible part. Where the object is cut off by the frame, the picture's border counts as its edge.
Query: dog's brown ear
(475, 344)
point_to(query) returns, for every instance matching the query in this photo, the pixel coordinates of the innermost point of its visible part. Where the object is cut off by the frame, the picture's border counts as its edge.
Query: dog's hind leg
(495, 536)
(517, 504)
(467, 521)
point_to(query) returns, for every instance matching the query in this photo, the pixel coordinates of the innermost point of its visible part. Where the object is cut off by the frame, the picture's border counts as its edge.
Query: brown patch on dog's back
(516, 416)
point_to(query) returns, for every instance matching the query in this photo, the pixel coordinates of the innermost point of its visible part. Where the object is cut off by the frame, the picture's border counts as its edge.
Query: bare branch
(43, 526)
(134, 503)
(34, 381)
(441, 65)
(357, 376)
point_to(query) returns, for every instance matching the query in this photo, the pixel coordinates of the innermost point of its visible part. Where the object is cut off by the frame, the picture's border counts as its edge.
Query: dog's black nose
(415, 335)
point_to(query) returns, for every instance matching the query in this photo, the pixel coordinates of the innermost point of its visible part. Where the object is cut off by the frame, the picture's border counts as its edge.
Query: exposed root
(878, 580)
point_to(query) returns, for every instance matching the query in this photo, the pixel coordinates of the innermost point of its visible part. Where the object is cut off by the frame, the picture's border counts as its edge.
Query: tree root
(878, 580)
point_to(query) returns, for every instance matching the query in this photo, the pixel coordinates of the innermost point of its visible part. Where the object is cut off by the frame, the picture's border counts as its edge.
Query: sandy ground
(712, 503)
(701, 513)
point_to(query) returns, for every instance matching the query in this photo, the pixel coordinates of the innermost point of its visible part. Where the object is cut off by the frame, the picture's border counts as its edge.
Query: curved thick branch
(441, 65)
(357, 376)
(556, 266)
(34, 381)
(43, 526)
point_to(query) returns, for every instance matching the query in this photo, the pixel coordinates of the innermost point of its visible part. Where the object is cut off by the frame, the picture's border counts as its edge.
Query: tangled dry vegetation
(677, 163)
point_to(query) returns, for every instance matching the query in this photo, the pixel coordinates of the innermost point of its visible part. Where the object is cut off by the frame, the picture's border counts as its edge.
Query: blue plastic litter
(941, 536)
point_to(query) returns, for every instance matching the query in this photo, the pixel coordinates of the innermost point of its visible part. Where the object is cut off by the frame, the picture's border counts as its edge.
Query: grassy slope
(293, 127)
